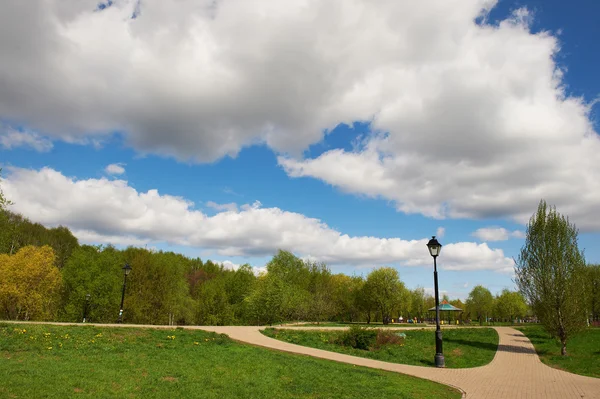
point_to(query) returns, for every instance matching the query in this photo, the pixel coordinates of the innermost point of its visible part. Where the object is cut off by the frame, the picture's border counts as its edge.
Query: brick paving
(515, 373)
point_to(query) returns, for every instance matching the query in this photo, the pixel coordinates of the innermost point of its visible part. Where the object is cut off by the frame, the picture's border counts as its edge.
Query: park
(300, 199)
(295, 331)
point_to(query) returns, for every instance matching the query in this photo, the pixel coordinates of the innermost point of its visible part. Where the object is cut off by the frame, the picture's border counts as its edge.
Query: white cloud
(440, 232)
(475, 120)
(105, 210)
(11, 138)
(115, 169)
(257, 270)
(231, 207)
(497, 234)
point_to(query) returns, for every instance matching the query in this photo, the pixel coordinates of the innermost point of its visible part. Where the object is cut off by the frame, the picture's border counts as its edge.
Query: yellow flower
(196, 343)
(49, 348)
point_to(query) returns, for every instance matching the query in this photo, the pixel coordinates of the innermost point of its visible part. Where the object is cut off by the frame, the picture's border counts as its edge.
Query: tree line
(46, 275)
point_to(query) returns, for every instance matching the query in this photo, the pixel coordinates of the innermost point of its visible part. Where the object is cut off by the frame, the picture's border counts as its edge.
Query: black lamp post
(126, 271)
(434, 249)
(85, 306)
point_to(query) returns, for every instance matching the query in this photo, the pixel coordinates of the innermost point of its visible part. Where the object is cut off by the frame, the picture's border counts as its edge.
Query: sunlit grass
(44, 361)
(463, 347)
(583, 350)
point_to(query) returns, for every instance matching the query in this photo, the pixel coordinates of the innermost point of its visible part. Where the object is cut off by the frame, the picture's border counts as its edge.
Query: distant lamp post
(126, 271)
(86, 306)
(434, 249)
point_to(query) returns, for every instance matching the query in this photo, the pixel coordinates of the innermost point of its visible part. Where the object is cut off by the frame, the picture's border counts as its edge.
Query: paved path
(515, 373)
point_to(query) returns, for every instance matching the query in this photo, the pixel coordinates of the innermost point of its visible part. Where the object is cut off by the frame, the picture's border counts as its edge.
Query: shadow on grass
(492, 347)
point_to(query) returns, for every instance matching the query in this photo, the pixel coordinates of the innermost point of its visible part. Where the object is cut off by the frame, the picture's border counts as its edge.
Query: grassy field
(583, 350)
(43, 361)
(463, 347)
(375, 325)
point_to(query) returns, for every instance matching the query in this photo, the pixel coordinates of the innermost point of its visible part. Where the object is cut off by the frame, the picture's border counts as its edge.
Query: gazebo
(446, 307)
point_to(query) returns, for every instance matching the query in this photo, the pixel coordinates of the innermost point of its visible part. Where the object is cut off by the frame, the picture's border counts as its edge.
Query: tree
(550, 273)
(384, 288)
(4, 202)
(418, 307)
(593, 291)
(96, 271)
(510, 305)
(30, 284)
(480, 302)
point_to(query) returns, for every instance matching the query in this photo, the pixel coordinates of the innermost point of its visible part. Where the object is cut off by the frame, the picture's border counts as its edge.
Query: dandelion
(170, 337)
(99, 335)
(196, 343)
(49, 348)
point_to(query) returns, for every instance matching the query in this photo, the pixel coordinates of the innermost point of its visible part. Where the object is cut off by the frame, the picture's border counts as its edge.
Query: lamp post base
(439, 360)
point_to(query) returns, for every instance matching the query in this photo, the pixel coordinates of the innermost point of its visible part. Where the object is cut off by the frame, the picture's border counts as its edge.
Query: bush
(389, 338)
(358, 338)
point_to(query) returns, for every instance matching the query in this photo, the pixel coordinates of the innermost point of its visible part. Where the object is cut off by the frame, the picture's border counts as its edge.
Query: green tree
(480, 303)
(383, 286)
(97, 271)
(593, 291)
(510, 305)
(550, 273)
(418, 303)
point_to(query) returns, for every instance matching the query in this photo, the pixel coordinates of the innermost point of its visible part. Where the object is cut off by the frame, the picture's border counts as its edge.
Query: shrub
(358, 338)
(389, 338)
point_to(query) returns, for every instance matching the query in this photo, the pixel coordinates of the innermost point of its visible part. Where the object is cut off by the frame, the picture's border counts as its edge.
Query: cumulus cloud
(497, 234)
(232, 206)
(469, 120)
(11, 138)
(104, 210)
(115, 169)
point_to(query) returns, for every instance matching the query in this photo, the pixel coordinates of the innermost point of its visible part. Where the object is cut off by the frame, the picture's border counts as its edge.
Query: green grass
(44, 361)
(377, 325)
(463, 347)
(583, 350)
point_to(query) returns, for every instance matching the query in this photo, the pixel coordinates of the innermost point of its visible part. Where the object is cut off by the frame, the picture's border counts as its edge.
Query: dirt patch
(77, 390)
(170, 379)
(457, 352)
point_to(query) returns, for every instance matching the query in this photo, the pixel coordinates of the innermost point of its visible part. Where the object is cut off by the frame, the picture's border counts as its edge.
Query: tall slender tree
(550, 273)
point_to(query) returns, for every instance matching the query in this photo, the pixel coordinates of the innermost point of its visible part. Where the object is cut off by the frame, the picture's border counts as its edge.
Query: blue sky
(357, 143)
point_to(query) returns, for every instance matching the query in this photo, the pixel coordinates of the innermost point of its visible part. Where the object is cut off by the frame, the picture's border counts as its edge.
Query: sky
(347, 132)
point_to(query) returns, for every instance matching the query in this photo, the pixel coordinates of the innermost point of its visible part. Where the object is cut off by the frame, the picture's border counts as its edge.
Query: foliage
(463, 347)
(593, 291)
(550, 273)
(584, 356)
(145, 363)
(29, 284)
(384, 291)
(358, 338)
(96, 271)
(510, 305)
(480, 302)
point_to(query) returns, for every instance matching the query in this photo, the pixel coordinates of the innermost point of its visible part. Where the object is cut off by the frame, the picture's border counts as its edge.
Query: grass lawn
(583, 350)
(463, 347)
(377, 325)
(44, 361)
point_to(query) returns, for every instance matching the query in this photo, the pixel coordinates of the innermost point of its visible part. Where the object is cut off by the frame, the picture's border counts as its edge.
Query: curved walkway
(516, 371)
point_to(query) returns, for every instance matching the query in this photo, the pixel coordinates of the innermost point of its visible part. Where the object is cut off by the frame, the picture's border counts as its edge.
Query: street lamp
(434, 249)
(126, 271)
(85, 306)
